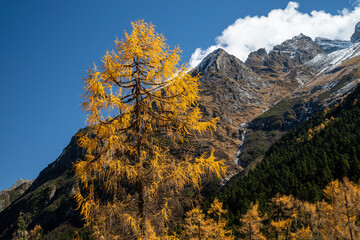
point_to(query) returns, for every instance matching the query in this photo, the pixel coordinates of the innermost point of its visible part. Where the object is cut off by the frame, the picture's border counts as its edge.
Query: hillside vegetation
(303, 161)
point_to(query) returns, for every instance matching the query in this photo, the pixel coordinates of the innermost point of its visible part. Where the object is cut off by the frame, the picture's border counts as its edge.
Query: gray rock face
(356, 35)
(259, 59)
(20, 182)
(285, 56)
(4, 200)
(222, 62)
(297, 50)
(230, 84)
(283, 67)
(330, 46)
(7, 196)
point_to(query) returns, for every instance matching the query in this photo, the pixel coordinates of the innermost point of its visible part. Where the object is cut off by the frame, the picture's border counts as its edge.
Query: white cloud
(251, 33)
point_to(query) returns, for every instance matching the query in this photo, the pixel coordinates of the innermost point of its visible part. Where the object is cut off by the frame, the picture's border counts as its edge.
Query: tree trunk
(141, 206)
(347, 215)
(141, 189)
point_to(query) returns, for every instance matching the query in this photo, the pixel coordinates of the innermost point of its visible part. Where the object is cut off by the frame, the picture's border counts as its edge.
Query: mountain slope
(304, 161)
(49, 201)
(325, 88)
(238, 92)
(231, 91)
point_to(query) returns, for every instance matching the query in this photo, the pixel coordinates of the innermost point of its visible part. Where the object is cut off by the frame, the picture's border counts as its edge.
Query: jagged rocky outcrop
(355, 37)
(228, 86)
(228, 65)
(297, 50)
(23, 183)
(7, 196)
(259, 61)
(232, 92)
(283, 67)
(330, 46)
(285, 56)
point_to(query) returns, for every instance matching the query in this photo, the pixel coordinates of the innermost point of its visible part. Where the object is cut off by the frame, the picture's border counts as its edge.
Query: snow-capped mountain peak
(328, 62)
(330, 46)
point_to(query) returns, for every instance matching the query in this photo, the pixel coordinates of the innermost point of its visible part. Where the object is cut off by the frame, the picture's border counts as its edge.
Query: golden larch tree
(306, 221)
(140, 102)
(252, 223)
(291, 218)
(36, 233)
(339, 216)
(199, 226)
(284, 212)
(303, 233)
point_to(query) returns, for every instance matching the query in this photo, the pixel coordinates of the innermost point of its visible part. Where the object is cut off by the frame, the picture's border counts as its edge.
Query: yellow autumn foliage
(252, 223)
(331, 219)
(339, 216)
(35, 233)
(139, 103)
(200, 226)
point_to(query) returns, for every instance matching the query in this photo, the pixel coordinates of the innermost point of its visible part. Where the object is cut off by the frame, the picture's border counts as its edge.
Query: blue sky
(47, 46)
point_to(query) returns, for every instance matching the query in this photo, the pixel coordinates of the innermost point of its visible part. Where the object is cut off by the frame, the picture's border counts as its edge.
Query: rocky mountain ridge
(332, 77)
(16, 190)
(329, 63)
(299, 79)
(286, 55)
(355, 37)
(330, 46)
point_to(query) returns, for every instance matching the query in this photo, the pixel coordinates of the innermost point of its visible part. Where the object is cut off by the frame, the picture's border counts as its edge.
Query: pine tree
(140, 105)
(21, 232)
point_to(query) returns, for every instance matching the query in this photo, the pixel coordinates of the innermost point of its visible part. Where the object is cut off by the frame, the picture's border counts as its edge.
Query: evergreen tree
(21, 232)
